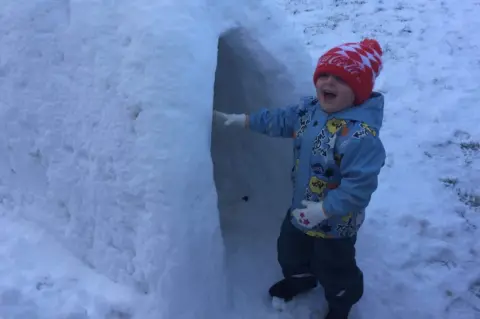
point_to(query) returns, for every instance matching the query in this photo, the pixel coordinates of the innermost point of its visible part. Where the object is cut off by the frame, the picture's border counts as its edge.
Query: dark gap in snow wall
(251, 171)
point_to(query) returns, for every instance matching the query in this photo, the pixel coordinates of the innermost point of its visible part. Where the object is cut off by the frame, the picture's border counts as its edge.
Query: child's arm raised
(360, 166)
(275, 122)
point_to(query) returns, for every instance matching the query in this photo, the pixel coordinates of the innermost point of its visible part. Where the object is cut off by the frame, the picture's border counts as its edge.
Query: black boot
(288, 288)
(336, 313)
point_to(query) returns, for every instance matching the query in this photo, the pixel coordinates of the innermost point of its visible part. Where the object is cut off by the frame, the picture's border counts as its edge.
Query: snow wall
(106, 110)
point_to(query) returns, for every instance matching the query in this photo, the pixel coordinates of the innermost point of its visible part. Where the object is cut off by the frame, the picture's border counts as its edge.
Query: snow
(106, 109)
(110, 168)
(419, 247)
(40, 278)
(254, 79)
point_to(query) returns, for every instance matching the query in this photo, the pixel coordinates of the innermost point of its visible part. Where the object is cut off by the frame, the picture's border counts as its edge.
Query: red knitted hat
(358, 64)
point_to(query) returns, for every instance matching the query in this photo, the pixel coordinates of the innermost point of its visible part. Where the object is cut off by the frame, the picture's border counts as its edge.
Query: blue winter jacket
(337, 158)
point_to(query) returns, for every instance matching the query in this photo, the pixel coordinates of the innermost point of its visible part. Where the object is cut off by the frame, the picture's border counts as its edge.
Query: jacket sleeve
(276, 122)
(360, 166)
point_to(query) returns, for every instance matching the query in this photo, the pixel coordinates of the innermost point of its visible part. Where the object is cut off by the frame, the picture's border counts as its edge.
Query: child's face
(334, 94)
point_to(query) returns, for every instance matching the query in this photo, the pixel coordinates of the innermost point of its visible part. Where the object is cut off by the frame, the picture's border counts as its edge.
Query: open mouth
(329, 96)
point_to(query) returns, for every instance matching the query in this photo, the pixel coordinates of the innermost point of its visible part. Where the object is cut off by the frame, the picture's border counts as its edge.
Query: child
(338, 157)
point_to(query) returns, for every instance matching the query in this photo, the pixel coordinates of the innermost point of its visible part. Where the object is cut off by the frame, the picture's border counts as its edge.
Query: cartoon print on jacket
(318, 146)
(317, 186)
(347, 228)
(334, 125)
(327, 137)
(364, 131)
(369, 129)
(329, 150)
(317, 169)
(304, 118)
(309, 195)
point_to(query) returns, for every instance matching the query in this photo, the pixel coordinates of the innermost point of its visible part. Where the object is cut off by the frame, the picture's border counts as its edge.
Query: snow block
(106, 109)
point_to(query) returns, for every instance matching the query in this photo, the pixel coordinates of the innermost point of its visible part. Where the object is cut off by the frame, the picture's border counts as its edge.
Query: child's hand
(311, 215)
(228, 119)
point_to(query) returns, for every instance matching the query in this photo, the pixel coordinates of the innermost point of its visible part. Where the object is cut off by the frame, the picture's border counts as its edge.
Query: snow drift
(106, 110)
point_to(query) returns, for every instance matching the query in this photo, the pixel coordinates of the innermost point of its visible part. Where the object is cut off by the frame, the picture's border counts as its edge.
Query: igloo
(108, 141)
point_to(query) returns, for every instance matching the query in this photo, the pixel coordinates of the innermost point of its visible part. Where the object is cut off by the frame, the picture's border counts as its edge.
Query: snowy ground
(420, 246)
(41, 280)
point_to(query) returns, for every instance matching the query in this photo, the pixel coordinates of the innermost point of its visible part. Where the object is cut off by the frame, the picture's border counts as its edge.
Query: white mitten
(228, 119)
(311, 215)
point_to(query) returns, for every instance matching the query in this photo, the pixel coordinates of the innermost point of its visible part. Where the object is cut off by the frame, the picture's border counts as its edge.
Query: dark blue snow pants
(331, 261)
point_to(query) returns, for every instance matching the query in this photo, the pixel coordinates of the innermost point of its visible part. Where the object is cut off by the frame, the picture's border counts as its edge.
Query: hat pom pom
(372, 44)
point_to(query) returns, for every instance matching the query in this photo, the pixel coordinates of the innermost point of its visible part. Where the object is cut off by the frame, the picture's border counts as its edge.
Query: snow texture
(419, 247)
(40, 279)
(120, 200)
(106, 109)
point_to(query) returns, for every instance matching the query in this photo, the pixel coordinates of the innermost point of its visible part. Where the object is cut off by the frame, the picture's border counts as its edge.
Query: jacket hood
(370, 112)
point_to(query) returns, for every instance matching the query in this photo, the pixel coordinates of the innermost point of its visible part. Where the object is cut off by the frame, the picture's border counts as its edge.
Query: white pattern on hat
(358, 64)
(366, 57)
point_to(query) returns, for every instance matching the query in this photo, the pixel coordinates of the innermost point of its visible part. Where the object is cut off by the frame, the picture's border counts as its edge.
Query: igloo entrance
(251, 171)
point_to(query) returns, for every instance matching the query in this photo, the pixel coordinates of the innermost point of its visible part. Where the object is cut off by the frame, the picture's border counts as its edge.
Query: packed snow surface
(108, 167)
(106, 110)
